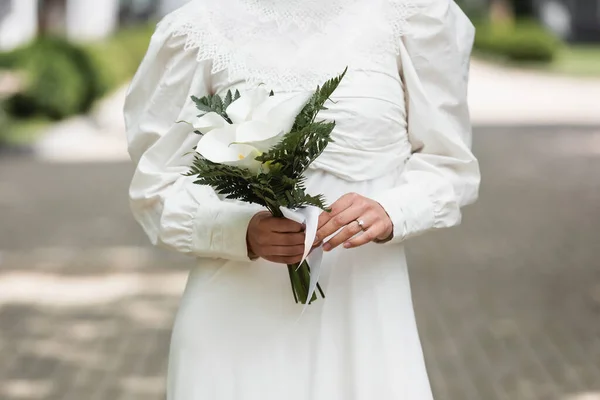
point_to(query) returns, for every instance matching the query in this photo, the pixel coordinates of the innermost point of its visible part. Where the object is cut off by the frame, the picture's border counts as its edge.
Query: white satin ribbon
(310, 217)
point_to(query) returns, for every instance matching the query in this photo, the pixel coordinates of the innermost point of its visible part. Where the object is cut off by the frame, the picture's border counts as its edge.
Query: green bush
(4, 123)
(525, 41)
(111, 65)
(116, 60)
(8, 59)
(135, 40)
(63, 78)
(60, 80)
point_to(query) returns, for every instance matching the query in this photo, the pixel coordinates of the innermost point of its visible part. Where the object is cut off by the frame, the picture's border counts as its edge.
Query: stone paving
(500, 95)
(508, 304)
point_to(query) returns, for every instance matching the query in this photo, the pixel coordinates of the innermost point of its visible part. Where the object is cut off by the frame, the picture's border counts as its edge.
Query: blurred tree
(136, 11)
(52, 17)
(523, 8)
(502, 12)
(475, 9)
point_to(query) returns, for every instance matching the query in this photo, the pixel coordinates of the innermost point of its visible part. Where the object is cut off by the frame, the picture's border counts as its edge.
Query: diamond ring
(361, 223)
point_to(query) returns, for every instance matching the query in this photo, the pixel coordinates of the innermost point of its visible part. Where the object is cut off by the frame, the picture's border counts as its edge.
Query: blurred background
(508, 304)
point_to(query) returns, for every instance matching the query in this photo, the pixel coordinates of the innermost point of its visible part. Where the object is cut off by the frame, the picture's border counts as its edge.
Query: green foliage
(63, 78)
(116, 60)
(300, 148)
(525, 41)
(216, 104)
(9, 59)
(578, 60)
(21, 132)
(281, 184)
(134, 40)
(234, 182)
(475, 10)
(4, 124)
(108, 73)
(317, 102)
(59, 80)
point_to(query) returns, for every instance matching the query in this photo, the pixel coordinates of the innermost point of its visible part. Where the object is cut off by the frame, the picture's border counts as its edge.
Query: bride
(400, 165)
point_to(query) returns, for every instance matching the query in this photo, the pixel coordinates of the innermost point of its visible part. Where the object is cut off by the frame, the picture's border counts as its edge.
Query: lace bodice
(288, 44)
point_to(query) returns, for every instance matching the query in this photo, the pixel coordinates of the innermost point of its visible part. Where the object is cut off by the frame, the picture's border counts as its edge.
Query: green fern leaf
(228, 99)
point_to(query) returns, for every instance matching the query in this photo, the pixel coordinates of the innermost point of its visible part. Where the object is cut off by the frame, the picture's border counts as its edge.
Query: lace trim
(303, 14)
(290, 46)
(401, 11)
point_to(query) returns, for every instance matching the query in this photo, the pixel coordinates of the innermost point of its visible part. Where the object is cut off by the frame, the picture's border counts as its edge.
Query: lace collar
(290, 44)
(303, 14)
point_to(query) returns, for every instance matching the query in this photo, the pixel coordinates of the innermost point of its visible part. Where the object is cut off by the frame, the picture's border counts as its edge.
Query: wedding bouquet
(256, 148)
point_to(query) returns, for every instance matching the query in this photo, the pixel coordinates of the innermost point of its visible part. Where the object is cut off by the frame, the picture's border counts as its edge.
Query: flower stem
(291, 272)
(299, 274)
(300, 279)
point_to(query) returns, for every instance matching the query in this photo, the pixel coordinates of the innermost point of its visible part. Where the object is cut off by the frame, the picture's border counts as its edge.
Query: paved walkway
(508, 96)
(508, 304)
(97, 137)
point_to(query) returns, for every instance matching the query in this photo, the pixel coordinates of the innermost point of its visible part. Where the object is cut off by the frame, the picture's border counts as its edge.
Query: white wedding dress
(402, 138)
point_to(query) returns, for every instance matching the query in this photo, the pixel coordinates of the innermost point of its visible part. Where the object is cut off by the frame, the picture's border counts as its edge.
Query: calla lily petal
(214, 145)
(259, 135)
(241, 110)
(281, 110)
(261, 112)
(219, 147)
(246, 158)
(208, 122)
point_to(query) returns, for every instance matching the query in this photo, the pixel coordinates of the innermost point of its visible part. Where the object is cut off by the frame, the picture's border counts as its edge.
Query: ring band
(361, 223)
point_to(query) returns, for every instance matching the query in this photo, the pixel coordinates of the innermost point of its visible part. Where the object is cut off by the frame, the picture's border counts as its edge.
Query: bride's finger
(342, 204)
(351, 230)
(285, 251)
(366, 237)
(338, 221)
(285, 239)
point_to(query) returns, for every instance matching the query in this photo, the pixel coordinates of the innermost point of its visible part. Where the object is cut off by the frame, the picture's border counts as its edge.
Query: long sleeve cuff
(223, 230)
(410, 210)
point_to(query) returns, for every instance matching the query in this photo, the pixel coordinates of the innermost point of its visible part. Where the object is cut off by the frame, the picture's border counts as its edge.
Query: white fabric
(402, 138)
(277, 42)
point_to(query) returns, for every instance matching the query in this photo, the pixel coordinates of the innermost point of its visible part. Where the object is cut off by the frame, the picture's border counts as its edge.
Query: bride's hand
(348, 213)
(278, 240)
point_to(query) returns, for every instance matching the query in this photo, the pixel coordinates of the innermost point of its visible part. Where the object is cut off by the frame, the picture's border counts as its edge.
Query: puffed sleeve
(173, 211)
(442, 174)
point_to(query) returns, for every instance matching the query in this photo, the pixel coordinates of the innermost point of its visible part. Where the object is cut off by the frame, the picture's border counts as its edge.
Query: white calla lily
(281, 111)
(208, 122)
(258, 134)
(259, 122)
(219, 146)
(241, 110)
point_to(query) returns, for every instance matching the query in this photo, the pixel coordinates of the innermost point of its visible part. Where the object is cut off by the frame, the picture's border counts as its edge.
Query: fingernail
(326, 247)
(347, 245)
